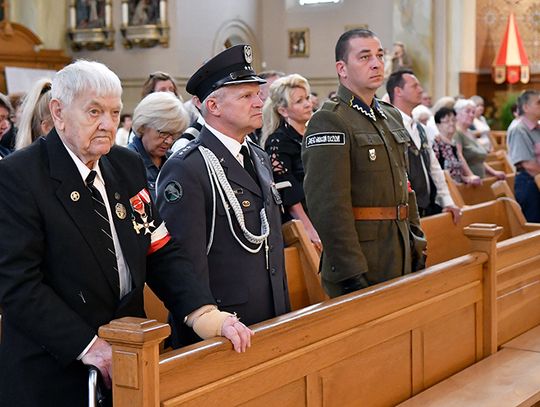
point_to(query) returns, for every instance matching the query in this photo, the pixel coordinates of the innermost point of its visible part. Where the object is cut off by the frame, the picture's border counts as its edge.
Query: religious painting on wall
(90, 24)
(90, 14)
(299, 43)
(144, 23)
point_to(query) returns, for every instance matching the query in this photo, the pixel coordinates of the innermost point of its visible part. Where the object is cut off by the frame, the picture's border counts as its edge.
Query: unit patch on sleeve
(325, 139)
(173, 192)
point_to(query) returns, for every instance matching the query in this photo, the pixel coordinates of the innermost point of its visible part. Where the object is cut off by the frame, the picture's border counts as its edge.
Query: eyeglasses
(448, 121)
(164, 135)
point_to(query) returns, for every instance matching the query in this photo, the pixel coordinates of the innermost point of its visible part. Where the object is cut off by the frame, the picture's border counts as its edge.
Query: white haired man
(79, 239)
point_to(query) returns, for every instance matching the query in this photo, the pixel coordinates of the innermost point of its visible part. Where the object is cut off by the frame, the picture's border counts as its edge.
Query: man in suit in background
(79, 238)
(218, 197)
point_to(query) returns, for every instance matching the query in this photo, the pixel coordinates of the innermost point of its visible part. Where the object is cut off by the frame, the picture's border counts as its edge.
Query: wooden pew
(510, 377)
(498, 139)
(380, 345)
(446, 240)
(500, 161)
(464, 194)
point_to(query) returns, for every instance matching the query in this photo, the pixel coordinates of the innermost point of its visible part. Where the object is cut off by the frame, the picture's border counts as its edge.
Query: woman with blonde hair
(36, 120)
(158, 121)
(286, 112)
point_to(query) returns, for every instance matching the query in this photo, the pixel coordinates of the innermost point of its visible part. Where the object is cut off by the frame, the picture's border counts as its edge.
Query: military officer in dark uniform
(218, 198)
(358, 195)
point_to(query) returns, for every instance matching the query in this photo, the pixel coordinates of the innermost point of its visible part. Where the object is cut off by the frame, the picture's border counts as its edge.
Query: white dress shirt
(443, 197)
(230, 144)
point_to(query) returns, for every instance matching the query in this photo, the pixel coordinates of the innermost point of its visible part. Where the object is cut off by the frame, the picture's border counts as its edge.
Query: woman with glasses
(445, 149)
(467, 146)
(158, 120)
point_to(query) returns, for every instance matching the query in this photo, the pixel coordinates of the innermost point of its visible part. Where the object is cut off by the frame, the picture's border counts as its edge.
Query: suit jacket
(240, 281)
(55, 289)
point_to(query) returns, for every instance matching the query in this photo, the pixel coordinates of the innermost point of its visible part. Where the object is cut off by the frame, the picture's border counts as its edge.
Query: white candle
(108, 14)
(162, 12)
(125, 13)
(72, 18)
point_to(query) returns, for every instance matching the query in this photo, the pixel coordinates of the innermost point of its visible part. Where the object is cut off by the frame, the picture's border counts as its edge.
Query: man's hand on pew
(239, 334)
(455, 211)
(100, 355)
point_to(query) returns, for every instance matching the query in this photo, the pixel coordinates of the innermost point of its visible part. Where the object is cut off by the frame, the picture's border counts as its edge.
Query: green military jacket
(355, 155)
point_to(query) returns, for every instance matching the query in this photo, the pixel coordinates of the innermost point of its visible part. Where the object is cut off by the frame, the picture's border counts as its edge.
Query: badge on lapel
(139, 204)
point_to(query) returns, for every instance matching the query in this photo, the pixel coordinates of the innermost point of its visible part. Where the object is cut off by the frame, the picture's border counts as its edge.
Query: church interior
(463, 332)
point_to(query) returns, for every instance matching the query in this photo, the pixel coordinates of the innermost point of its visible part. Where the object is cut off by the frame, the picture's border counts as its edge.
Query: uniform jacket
(240, 281)
(54, 290)
(355, 156)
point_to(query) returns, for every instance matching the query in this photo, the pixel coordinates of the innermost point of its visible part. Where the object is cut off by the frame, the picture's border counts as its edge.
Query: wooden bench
(500, 161)
(399, 337)
(498, 139)
(446, 240)
(465, 194)
(511, 377)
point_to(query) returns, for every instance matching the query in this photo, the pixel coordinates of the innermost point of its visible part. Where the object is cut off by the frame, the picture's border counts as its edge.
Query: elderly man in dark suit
(79, 238)
(218, 197)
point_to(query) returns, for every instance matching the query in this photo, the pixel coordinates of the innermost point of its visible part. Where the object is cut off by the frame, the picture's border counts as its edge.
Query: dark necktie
(102, 219)
(248, 164)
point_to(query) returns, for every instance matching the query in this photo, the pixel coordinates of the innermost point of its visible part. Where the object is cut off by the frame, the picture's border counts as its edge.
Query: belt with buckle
(400, 212)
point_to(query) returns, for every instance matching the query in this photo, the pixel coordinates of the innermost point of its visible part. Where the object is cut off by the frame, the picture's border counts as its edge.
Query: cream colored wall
(195, 25)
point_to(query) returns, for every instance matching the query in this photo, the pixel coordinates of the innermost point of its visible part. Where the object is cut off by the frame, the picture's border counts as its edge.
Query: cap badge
(248, 54)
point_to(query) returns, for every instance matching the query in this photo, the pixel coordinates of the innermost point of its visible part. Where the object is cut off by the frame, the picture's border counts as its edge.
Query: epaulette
(187, 150)
(330, 105)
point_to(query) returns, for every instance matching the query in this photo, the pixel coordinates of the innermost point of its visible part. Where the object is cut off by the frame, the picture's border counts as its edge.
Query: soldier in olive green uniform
(356, 186)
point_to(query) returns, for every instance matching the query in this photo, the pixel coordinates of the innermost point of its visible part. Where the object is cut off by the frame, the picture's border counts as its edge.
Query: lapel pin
(120, 211)
(372, 154)
(75, 196)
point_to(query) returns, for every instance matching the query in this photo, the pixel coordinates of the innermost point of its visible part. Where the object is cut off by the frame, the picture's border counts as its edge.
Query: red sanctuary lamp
(511, 63)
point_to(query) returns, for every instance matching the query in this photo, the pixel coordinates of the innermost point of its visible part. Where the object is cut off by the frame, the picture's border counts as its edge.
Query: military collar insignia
(358, 104)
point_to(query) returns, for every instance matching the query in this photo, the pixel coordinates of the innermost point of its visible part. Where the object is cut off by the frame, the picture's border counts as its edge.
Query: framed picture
(299, 43)
(144, 23)
(90, 24)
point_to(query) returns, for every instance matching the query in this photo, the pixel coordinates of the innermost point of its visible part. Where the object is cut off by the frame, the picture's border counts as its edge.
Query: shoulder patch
(173, 192)
(325, 139)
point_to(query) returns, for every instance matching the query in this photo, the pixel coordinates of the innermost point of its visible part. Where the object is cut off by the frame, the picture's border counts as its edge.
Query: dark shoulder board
(187, 150)
(330, 105)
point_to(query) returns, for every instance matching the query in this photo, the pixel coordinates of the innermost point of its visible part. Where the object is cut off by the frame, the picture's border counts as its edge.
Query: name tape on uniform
(325, 139)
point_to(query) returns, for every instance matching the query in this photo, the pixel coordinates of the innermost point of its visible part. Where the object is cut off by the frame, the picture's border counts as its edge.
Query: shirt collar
(530, 125)
(230, 144)
(83, 169)
(407, 120)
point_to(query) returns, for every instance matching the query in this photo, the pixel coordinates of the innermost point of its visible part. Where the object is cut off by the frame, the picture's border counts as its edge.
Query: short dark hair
(342, 45)
(442, 113)
(150, 84)
(123, 117)
(395, 80)
(523, 99)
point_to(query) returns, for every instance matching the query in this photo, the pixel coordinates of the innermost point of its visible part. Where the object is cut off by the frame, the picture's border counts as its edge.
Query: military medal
(138, 204)
(120, 211)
